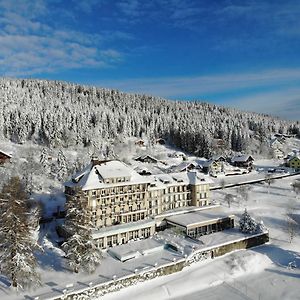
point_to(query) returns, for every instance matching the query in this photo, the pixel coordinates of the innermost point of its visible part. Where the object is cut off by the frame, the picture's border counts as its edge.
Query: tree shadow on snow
(4, 284)
(271, 193)
(295, 217)
(277, 223)
(284, 273)
(279, 256)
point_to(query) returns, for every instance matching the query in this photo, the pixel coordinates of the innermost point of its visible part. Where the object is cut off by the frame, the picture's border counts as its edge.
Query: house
(140, 143)
(291, 155)
(186, 166)
(219, 158)
(218, 144)
(276, 144)
(146, 159)
(178, 154)
(294, 162)
(210, 166)
(143, 171)
(160, 141)
(4, 157)
(242, 161)
(123, 204)
(278, 153)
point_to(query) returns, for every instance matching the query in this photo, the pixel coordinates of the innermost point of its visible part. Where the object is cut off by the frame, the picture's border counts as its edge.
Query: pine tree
(81, 250)
(44, 160)
(62, 170)
(17, 225)
(247, 223)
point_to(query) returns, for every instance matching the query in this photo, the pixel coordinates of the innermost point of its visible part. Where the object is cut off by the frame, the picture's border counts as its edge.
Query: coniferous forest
(55, 113)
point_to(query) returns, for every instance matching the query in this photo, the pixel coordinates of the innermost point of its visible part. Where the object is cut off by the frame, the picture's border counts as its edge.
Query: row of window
(124, 237)
(119, 190)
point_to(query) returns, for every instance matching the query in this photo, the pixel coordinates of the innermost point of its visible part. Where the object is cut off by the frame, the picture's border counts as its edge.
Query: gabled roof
(297, 157)
(143, 157)
(185, 165)
(6, 154)
(218, 157)
(242, 158)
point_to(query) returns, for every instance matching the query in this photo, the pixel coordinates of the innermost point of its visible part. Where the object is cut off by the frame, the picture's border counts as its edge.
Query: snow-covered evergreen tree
(247, 223)
(44, 161)
(59, 113)
(80, 248)
(62, 170)
(17, 240)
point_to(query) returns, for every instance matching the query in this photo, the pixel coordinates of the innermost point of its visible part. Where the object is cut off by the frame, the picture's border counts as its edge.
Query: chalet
(218, 143)
(210, 166)
(282, 135)
(243, 161)
(219, 158)
(140, 143)
(146, 159)
(186, 166)
(160, 141)
(4, 157)
(294, 162)
(290, 155)
(278, 153)
(178, 154)
(143, 171)
(276, 144)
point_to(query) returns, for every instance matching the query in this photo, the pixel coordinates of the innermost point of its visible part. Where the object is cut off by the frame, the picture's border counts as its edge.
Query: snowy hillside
(63, 114)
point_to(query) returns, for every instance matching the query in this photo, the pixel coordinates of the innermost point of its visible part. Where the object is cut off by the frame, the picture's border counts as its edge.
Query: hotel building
(125, 205)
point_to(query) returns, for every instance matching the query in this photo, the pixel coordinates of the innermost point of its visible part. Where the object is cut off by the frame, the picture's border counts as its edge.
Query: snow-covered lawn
(260, 273)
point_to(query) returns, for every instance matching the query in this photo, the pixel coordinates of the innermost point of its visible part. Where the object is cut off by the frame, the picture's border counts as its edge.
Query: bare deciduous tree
(229, 199)
(291, 224)
(269, 180)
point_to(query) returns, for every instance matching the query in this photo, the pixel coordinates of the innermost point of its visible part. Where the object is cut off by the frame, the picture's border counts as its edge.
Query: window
(100, 243)
(109, 241)
(114, 239)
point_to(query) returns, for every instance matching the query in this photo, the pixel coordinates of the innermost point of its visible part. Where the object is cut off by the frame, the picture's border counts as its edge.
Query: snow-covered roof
(294, 157)
(113, 169)
(5, 153)
(116, 229)
(184, 165)
(94, 176)
(179, 178)
(144, 157)
(241, 158)
(202, 162)
(275, 141)
(197, 218)
(137, 248)
(184, 210)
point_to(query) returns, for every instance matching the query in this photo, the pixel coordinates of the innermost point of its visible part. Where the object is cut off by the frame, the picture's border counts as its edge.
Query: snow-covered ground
(260, 273)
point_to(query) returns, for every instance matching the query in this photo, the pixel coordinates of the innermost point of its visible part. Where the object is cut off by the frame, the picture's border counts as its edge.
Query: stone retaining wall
(173, 267)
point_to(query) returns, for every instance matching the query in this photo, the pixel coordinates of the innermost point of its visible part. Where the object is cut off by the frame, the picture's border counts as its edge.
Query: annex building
(126, 205)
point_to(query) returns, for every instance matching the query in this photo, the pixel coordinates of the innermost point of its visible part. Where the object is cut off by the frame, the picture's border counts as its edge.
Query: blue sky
(244, 54)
